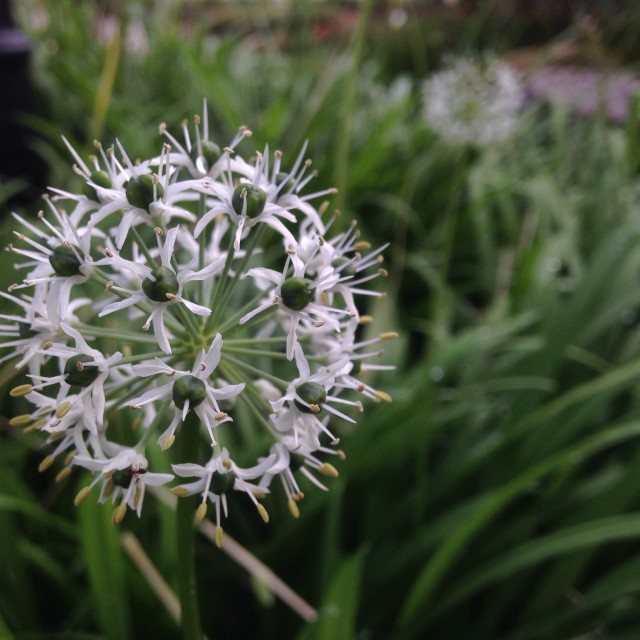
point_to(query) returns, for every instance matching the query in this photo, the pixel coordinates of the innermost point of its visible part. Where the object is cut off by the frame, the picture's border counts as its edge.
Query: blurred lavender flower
(586, 91)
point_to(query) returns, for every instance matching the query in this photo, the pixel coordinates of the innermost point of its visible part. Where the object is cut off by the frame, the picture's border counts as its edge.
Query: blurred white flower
(474, 100)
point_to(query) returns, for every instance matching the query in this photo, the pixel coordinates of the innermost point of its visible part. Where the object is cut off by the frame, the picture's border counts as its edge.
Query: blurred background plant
(496, 497)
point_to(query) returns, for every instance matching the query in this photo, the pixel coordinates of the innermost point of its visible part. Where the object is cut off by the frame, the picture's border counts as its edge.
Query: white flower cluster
(474, 101)
(249, 302)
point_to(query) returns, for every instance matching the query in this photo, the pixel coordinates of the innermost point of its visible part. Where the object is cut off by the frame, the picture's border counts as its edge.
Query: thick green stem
(190, 620)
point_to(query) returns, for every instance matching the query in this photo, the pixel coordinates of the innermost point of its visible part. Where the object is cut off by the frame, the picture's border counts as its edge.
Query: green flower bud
(100, 178)
(121, 478)
(282, 177)
(256, 199)
(297, 293)
(222, 482)
(296, 461)
(188, 388)
(140, 191)
(65, 262)
(25, 330)
(165, 283)
(312, 393)
(344, 265)
(209, 152)
(77, 373)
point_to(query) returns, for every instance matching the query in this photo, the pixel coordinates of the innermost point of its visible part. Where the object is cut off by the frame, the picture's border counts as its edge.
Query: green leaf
(5, 633)
(37, 513)
(432, 573)
(102, 554)
(589, 534)
(337, 617)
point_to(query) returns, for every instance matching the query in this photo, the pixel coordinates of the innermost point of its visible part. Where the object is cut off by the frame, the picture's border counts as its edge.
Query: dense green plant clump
(495, 497)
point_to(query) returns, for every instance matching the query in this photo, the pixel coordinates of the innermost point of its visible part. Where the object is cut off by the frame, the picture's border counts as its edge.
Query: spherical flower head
(173, 242)
(474, 101)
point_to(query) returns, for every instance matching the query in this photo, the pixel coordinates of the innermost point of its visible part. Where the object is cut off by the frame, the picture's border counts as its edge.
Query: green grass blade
(338, 612)
(429, 578)
(103, 558)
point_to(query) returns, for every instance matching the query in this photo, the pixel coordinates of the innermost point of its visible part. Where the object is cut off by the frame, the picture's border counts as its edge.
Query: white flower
(295, 297)
(25, 335)
(201, 156)
(162, 287)
(82, 367)
(288, 455)
(258, 198)
(189, 391)
(474, 101)
(125, 475)
(306, 397)
(60, 260)
(218, 477)
(340, 262)
(144, 197)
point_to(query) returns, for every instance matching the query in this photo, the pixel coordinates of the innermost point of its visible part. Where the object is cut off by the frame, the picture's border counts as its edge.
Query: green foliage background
(498, 495)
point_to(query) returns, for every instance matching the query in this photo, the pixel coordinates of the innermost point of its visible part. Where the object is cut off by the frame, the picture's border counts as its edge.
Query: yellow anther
(47, 345)
(81, 495)
(388, 335)
(69, 459)
(219, 417)
(383, 272)
(108, 488)
(341, 454)
(382, 395)
(63, 409)
(136, 497)
(328, 470)
(167, 443)
(366, 319)
(56, 435)
(46, 463)
(260, 495)
(293, 508)
(362, 245)
(21, 390)
(21, 420)
(201, 511)
(314, 408)
(119, 513)
(64, 474)
(263, 512)
(226, 463)
(218, 537)
(180, 492)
